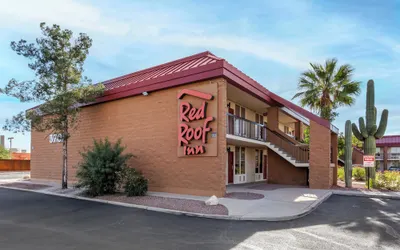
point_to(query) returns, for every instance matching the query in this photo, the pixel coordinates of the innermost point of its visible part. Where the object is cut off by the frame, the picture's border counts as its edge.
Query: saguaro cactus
(348, 153)
(369, 132)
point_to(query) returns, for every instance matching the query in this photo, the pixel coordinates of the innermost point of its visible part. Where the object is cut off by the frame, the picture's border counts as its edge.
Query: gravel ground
(25, 185)
(186, 205)
(357, 187)
(244, 196)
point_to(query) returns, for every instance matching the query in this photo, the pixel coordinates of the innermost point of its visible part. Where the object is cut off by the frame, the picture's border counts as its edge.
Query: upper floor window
(240, 111)
(395, 150)
(259, 119)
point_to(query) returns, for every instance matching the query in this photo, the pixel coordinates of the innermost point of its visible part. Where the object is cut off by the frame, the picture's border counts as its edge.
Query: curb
(367, 195)
(305, 212)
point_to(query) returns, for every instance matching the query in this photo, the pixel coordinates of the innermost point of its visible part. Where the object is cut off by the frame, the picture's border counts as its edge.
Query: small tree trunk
(64, 184)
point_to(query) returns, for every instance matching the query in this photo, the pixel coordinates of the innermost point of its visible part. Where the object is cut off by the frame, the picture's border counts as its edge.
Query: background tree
(324, 88)
(4, 153)
(356, 142)
(57, 61)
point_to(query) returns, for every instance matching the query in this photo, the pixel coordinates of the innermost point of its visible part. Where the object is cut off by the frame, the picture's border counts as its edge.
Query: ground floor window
(259, 161)
(240, 160)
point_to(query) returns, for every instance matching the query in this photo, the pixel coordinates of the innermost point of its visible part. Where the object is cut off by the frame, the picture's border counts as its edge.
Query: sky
(271, 41)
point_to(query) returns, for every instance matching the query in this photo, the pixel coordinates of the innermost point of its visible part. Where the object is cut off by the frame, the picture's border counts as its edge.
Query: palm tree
(324, 88)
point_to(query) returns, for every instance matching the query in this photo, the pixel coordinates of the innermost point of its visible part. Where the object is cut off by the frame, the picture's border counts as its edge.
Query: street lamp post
(10, 139)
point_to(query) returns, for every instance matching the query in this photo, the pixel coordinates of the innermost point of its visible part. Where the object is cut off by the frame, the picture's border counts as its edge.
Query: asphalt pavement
(30, 221)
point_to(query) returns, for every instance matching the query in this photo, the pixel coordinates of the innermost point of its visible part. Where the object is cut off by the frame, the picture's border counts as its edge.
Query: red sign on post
(369, 161)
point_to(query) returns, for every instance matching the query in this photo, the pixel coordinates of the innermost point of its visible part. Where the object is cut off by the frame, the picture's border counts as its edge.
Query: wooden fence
(15, 165)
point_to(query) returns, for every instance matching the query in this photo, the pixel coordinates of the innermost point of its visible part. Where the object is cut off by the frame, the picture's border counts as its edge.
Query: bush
(358, 174)
(101, 168)
(135, 183)
(340, 173)
(389, 180)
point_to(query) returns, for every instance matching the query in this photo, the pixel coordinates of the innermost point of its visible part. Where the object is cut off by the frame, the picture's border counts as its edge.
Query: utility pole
(10, 139)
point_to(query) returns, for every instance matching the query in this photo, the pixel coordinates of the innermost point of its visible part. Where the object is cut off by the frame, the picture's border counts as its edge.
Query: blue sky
(271, 41)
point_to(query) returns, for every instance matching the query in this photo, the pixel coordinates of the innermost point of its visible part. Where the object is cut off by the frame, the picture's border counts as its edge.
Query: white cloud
(64, 12)
(264, 49)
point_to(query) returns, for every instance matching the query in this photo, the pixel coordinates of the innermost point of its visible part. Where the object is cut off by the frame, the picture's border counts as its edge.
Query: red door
(230, 167)
(265, 166)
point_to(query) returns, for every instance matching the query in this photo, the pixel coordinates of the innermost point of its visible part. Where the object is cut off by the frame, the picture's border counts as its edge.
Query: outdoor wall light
(228, 149)
(145, 93)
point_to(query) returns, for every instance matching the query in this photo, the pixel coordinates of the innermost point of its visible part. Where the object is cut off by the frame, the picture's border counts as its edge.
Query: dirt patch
(341, 185)
(29, 186)
(185, 205)
(244, 196)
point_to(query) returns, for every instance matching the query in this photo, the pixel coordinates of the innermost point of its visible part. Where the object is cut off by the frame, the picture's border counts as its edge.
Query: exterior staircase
(295, 153)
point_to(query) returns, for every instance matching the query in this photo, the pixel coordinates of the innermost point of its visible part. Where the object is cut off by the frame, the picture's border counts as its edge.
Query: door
(265, 166)
(230, 167)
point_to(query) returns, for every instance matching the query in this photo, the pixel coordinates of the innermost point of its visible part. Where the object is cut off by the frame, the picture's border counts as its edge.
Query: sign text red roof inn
(194, 68)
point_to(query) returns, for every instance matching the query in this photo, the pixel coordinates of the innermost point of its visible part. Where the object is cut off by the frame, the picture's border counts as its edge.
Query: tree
(356, 142)
(341, 144)
(59, 85)
(4, 153)
(324, 88)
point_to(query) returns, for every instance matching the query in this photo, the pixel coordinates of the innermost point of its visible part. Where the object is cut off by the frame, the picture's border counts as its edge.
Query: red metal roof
(166, 69)
(389, 140)
(194, 68)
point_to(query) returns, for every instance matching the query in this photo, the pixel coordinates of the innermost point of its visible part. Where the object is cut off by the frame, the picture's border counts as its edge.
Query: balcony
(379, 157)
(245, 128)
(393, 156)
(255, 134)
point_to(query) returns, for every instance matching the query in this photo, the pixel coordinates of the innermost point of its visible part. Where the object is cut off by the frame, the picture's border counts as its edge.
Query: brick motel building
(196, 125)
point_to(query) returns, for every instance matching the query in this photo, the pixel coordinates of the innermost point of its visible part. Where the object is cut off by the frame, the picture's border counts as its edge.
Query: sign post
(368, 162)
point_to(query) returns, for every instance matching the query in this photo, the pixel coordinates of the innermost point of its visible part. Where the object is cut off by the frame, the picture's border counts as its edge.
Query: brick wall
(321, 174)
(148, 127)
(281, 171)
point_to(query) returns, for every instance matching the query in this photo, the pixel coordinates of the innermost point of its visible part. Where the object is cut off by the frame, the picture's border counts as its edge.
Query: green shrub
(389, 180)
(358, 174)
(101, 168)
(135, 183)
(340, 173)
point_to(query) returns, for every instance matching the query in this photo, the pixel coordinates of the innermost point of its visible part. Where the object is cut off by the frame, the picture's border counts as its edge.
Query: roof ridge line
(160, 66)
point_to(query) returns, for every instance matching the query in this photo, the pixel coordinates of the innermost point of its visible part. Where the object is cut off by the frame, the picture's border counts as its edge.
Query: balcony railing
(379, 157)
(245, 128)
(248, 129)
(394, 156)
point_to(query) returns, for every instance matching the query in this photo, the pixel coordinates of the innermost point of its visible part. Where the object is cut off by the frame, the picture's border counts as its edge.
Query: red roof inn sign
(189, 115)
(369, 161)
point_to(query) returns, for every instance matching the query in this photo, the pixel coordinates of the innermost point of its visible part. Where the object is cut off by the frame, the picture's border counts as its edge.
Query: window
(240, 160)
(259, 119)
(243, 160)
(240, 111)
(286, 129)
(240, 128)
(259, 161)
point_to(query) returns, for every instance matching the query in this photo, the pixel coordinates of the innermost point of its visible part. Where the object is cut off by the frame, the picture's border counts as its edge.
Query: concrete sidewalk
(277, 205)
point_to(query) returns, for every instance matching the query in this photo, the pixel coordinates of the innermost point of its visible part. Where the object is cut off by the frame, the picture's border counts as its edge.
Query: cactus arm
(356, 132)
(382, 125)
(373, 129)
(363, 129)
(370, 107)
